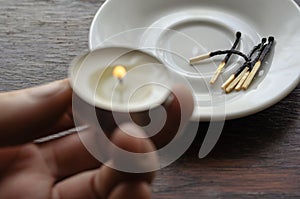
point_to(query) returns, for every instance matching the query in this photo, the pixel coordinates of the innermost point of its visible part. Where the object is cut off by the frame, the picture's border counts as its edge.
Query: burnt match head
(267, 49)
(271, 39)
(238, 34)
(263, 42)
(257, 47)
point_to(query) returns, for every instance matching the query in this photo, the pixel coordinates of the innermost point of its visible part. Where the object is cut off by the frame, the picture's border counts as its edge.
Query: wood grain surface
(256, 156)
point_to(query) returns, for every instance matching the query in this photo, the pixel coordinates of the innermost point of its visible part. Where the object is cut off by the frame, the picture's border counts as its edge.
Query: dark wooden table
(256, 156)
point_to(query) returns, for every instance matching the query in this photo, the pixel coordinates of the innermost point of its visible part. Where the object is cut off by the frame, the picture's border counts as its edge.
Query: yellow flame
(119, 71)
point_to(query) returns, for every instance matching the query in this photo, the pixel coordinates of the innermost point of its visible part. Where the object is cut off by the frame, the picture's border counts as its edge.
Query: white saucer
(176, 30)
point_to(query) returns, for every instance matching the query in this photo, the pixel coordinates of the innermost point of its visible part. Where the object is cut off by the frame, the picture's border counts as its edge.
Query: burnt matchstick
(243, 78)
(226, 59)
(212, 54)
(243, 71)
(246, 74)
(215, 53)
(258, 63)
(237, 77)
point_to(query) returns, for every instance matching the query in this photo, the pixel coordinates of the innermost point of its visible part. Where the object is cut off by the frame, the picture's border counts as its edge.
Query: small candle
(121, 79)
(131, 89)
(119, 72)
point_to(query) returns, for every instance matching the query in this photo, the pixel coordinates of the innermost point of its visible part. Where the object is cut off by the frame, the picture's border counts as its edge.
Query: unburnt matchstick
(267, 49)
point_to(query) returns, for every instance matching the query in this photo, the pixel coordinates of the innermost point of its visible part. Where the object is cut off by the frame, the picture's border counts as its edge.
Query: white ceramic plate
(176, 30)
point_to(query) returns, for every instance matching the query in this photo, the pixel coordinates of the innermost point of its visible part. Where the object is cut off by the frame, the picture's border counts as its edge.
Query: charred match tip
(238, 34)
(271, 39)
(264, 40)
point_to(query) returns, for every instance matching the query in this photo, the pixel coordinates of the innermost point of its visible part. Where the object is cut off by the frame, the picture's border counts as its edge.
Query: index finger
(33, 113)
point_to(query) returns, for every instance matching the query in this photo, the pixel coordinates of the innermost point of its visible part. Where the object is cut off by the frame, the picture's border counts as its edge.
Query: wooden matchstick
(233, 84)
(228, 81)
(212, 54)
(226, 59)
(238, 77)
(233, 76)
(217, 73)
(266, 50)
(215, 53)
(200, 58)
(240, 84)
(246, 64)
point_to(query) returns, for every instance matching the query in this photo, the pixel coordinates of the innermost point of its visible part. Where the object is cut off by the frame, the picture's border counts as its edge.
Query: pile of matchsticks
(244, 75)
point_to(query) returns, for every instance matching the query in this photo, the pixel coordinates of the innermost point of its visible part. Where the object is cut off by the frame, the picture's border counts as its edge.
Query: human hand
(63, 168)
